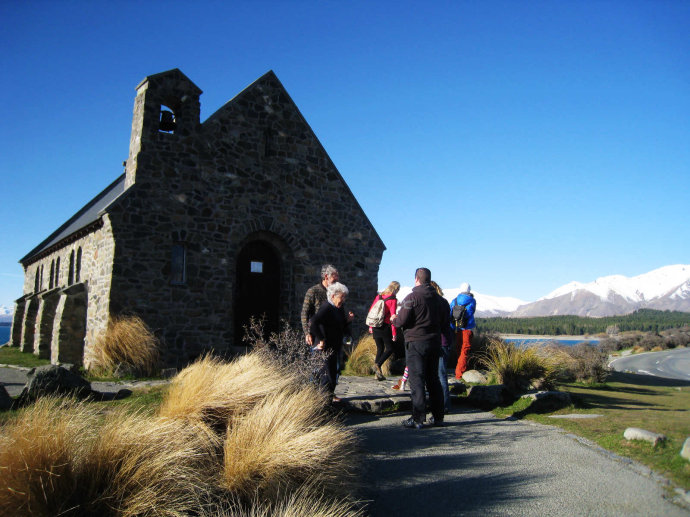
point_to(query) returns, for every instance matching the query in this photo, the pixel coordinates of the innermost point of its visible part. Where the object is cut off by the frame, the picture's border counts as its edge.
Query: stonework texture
(252, 179)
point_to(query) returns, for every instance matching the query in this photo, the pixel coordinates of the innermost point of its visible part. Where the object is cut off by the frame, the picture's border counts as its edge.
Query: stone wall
(87, 261)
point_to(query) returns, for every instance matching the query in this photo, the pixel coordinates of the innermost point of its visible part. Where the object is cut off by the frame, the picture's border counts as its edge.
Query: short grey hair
(328, 270)
(335, 288)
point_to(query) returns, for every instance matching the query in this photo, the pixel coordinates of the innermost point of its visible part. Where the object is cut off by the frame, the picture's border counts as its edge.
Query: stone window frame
(37, 285)
(178, 267)
(57, 272)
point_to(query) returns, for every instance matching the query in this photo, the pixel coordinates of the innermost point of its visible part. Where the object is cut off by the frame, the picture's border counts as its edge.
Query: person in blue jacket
(463, 335)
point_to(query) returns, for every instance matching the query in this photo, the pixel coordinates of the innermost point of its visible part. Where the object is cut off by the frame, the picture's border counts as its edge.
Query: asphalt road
(479, 465)
(670, 364)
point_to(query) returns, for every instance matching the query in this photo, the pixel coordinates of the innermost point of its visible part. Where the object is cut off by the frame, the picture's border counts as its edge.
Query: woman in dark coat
(328, 326)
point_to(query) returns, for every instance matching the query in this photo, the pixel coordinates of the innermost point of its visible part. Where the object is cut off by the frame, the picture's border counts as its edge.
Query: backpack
(377, 313)
(460, 316)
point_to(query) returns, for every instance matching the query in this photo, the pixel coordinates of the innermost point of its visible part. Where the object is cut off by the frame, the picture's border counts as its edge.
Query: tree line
(645, 320)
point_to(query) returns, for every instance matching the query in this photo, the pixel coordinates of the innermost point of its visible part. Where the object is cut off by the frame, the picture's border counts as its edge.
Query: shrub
(588, 362)
(286, 348)
(517, 367)
(127, 346)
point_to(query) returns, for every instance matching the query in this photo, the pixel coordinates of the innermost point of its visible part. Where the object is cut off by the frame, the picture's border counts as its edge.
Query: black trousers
(383, 337)
(328, 374)
(422, 363)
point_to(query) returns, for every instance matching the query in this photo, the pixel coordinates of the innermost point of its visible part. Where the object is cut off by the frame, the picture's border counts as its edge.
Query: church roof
(82, 220)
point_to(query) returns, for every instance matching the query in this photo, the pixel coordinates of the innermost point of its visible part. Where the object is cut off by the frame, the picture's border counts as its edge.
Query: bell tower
(166, 109)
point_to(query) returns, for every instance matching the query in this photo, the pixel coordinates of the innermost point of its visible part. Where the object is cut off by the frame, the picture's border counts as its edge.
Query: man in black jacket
(422, 316)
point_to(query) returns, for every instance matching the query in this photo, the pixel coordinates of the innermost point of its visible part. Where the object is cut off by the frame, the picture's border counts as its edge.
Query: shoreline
(586, 337)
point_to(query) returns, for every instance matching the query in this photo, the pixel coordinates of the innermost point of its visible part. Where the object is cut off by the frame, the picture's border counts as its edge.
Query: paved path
(669, 364)
(480, 465)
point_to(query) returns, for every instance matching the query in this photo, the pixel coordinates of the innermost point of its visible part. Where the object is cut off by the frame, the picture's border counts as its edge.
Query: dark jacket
(329, 325)
(315, 297)
(422, 314)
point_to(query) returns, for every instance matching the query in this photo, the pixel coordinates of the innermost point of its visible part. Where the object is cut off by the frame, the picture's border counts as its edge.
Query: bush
(127, 347)
(588, 362)
(518, 367)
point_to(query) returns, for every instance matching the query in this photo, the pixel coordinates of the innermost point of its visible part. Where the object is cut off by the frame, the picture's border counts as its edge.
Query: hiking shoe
(435, 423)
(411, 424)
(378, 373)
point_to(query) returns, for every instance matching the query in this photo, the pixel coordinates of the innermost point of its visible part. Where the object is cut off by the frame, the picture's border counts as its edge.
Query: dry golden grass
(59, 458)
(214, 392)
(278, 439)
(127, 344)
(304, 502)
(38, 454)
(516, 367)
(361, 360)
(285, 442)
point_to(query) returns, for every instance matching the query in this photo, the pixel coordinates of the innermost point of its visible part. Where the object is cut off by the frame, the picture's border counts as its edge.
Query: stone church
(211, 222)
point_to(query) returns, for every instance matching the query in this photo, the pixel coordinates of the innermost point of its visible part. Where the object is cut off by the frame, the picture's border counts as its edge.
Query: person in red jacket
(386, 334)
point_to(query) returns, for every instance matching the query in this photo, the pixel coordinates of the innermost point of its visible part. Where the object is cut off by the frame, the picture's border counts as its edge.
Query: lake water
(4, 335)
(568, 342)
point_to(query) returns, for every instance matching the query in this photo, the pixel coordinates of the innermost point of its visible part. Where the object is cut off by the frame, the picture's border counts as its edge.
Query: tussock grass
(213, 392)
(278, 438)
(128, 346)
(58, 457)
(285, 442)
(363, 356)
(517, 367)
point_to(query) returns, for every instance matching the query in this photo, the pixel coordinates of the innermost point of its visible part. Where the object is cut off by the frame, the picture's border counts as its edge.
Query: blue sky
(514, 145)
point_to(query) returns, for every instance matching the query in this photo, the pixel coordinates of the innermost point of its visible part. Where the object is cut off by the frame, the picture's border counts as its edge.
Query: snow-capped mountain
(487, 306)
(666, 288)
(6, 313)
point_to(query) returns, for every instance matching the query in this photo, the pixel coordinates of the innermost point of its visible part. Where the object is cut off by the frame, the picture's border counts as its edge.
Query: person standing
(386, 334)
(328, 326)
(422, 316)
(463, 329)
(446, 342)
(315, 297)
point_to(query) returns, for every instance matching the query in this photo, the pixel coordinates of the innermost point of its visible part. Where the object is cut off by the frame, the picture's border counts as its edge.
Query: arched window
(36, 280)
(52, 274)
(70, 273)
(57, 272)
(77, 273)
(40, 279)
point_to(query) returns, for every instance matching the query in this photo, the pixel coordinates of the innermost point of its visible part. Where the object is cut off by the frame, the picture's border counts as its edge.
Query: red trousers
(464, 340)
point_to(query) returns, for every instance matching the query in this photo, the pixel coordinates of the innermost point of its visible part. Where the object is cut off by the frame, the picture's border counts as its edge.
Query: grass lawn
(12, 355)
(627, 400)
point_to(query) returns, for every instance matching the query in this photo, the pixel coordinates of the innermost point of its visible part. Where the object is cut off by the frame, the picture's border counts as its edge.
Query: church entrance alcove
(258, 288)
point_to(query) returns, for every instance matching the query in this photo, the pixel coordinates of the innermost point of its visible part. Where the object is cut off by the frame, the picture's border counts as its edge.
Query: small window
(256, 267)
(57, 272)
(40, 280)
(52, 274)
(36, 280)
(178, 269)
(77, 272)
(70, 273)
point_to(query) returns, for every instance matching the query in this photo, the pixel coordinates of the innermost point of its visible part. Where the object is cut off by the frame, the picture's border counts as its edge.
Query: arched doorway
(258, 287)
